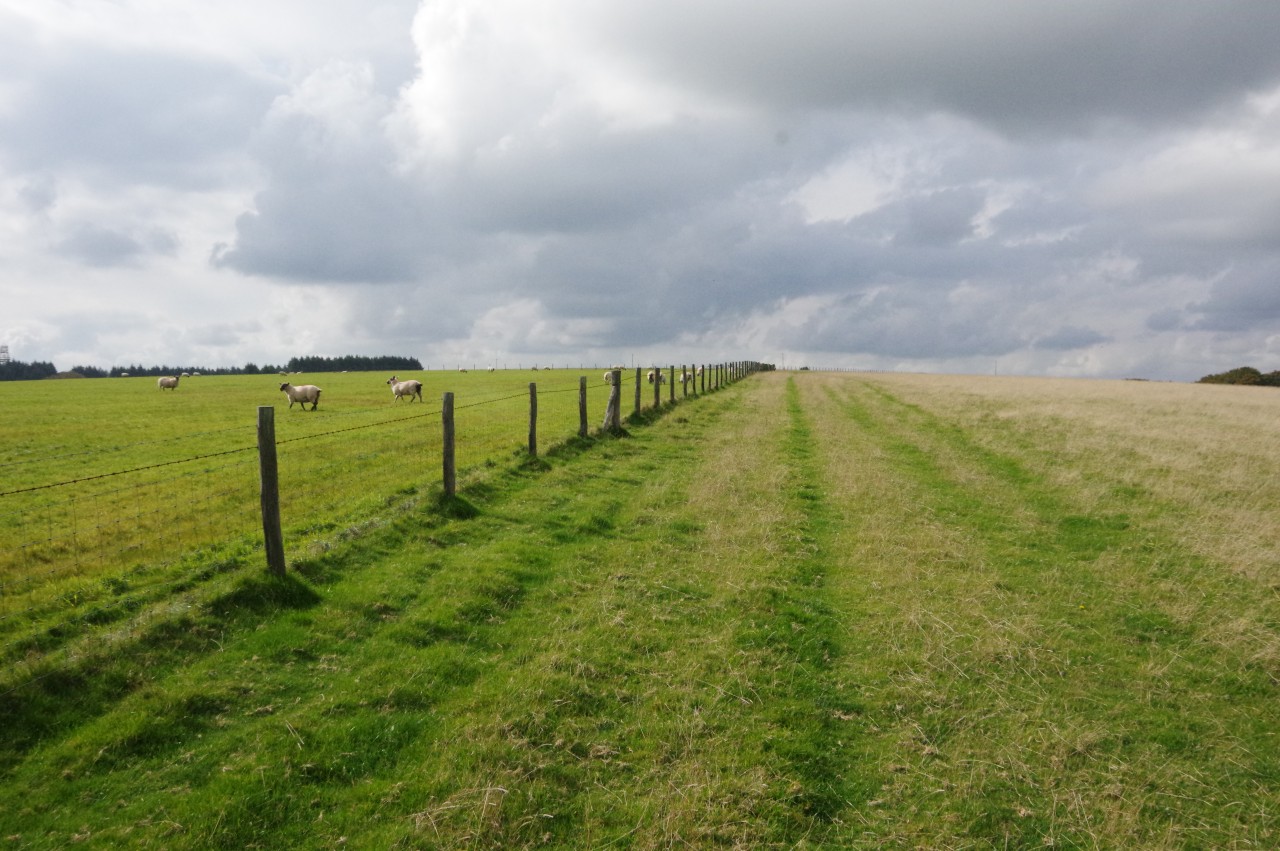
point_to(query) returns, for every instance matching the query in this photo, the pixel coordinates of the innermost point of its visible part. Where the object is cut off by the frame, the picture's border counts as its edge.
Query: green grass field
(118, 496)
(808, 610)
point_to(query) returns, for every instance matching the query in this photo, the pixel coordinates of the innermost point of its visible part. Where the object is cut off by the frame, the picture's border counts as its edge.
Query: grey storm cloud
(153, 116)
(879, 182)
(1021, 67)
(904, 324)
(1069, 338)
(1242, 299)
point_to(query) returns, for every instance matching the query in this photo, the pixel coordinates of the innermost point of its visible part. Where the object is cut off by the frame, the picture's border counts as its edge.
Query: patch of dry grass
(1060, 645)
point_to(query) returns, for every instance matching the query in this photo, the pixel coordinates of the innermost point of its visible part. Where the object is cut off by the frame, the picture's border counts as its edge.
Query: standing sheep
(167, 382)
(304, 394)
(408, 388)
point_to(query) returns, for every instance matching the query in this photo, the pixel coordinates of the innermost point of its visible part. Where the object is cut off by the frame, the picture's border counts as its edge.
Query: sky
(1083, 188)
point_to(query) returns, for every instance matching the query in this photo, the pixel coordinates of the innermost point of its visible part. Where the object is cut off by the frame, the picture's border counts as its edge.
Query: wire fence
(90, 559)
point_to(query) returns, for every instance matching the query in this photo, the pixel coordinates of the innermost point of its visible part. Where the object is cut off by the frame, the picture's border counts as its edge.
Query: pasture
(809, 610)
(116, 494)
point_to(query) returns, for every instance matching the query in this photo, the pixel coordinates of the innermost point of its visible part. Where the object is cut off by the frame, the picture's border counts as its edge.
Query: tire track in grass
(798, 626)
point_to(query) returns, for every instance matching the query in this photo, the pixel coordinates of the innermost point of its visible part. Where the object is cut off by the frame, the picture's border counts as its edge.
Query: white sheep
(608, 377)
(408, 388)
(653, 375)
(685, 376)
(167, 382)
(302, 395)
(698, 372)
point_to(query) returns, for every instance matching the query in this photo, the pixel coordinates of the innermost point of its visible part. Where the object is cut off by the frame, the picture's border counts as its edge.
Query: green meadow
(118, 496)
(808, 610)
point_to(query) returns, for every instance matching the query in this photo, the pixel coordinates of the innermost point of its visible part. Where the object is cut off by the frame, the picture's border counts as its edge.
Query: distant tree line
(1244, 375)
(352, 363)
(19, 371)
(16, 370)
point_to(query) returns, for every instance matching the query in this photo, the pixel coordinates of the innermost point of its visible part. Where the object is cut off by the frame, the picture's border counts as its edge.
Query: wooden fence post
(657, 386)
(533, 419)
(582, 406)
(671, 392)
(613, 410)
(272, 536)
(450, 467)
(638, 384)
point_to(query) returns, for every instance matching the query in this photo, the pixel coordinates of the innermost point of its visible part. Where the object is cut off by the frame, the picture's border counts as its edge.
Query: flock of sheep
(310, 393)
(412, 388)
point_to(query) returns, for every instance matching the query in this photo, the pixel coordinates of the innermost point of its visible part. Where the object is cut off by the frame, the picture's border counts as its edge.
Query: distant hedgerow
(1244, 375)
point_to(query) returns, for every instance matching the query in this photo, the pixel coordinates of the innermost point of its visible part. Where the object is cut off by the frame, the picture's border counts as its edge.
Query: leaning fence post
(582, 406)
(533, 419)
(613, 410)
(450, 467)
(272, 536)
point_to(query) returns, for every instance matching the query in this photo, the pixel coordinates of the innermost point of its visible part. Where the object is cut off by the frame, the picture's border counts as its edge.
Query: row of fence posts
(714, 377)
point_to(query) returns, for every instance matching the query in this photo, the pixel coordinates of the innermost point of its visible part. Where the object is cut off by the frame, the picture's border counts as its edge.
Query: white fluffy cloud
(1067, 188)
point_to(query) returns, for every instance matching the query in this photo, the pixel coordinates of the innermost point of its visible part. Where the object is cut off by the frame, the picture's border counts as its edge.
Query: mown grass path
(805, 611)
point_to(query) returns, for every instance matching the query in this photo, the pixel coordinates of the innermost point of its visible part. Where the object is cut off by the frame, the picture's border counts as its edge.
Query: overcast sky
(1060, 187)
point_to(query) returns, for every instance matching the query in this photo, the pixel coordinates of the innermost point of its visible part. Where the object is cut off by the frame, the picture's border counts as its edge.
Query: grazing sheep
(462, 369)
(685, 376)
(652, 376)
(491, 369)
(608, 377)
(408, 388)
(167, 382)
(184, 375)
(698, 372)
(304, 394)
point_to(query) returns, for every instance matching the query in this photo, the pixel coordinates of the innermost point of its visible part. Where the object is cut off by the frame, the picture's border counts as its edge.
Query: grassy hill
(811, 610)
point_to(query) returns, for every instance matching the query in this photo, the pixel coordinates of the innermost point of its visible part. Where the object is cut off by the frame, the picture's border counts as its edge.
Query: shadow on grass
(58, 694)
(458, 507)
(265, 593)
